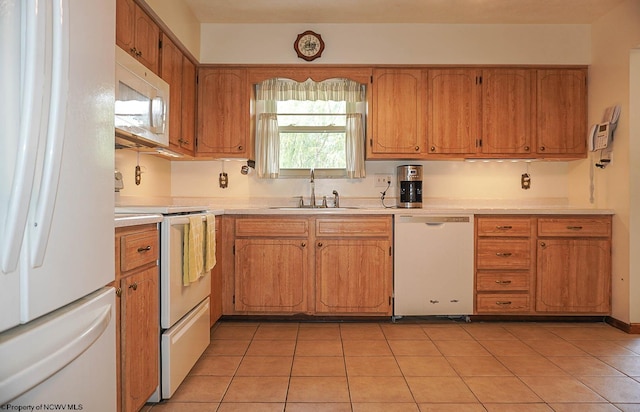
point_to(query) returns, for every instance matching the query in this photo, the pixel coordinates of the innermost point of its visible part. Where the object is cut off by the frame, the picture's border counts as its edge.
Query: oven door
(176, 300)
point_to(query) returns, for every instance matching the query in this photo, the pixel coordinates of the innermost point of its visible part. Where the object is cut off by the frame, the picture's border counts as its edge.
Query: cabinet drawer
(272, 227)
(138, 249)
(575, 227)
(510, 226)
(507, 281)
(502, 303)
(503, 254)
(354, 226)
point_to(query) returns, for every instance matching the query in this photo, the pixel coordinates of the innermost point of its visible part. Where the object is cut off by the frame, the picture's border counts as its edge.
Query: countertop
(416, 211)
(123, 220)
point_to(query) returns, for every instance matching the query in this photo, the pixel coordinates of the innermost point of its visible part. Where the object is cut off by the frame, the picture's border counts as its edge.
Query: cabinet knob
(118, 292)
(144, 249)
(417, 148)
(542, 148)
(319, 244)
(240, 148)
(503, 254)
(134, 286)
(526, 148)
(542, 244)
(432, 148)
(303, 244)
(133, 51)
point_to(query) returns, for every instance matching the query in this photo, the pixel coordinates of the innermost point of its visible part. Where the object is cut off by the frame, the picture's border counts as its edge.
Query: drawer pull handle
(503, 254)
(133, 286)
(503, 303)
(503, 282)
(505, 227)
(574, 227)
(144, 249)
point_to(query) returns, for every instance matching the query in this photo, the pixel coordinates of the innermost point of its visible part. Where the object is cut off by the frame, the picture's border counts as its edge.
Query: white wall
(442, 180)
(178, 16)
(613, 38)
(400, 43)
(156, 174)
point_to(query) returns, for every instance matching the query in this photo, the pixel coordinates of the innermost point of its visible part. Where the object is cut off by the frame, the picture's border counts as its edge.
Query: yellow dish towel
(210, 243)
(193, 244)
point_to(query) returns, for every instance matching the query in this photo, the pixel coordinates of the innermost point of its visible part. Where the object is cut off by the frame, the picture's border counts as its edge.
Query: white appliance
(142, 104)
(184, 310)
(56, 203)
(433, 265)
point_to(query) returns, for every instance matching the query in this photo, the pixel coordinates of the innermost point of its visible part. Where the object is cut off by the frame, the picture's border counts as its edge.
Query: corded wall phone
(601, 135)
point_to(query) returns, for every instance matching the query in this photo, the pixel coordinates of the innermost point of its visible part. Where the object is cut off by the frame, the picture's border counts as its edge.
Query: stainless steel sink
(318, 209)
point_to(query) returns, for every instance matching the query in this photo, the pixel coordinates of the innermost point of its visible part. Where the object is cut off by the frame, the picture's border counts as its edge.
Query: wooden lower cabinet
(352, 276)
(140, 334)
(215, 299)
(138, 326)
(567, 270)
(574, 266)
(311, 265)
(271, 275)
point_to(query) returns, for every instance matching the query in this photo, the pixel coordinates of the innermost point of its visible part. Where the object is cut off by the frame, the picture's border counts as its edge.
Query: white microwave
(142, 104)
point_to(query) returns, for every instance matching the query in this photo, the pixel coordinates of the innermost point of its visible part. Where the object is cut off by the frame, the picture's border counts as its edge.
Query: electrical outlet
(382, 180)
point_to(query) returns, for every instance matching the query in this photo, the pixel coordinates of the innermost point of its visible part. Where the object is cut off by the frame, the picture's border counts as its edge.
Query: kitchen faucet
(313, 190)
(336, 199)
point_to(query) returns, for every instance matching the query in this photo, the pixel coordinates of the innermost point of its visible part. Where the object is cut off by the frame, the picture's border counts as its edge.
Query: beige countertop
(416, 211)
(123, 220)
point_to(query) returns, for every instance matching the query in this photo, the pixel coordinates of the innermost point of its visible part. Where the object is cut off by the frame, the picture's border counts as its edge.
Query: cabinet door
(171, 72)
(125, 23)
(561, 112)
(271, 275)
(140, 337)
(353, 276)
(507, 111)
(454, 111)
(398, 112)
(147, 40)
(223, 114)
(574, 275)
(188, 121)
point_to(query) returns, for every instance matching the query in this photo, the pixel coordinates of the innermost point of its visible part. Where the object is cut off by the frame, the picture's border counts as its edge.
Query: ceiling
(401, 11)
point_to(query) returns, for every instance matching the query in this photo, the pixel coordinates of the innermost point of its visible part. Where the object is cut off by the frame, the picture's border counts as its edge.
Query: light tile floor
(389, 367)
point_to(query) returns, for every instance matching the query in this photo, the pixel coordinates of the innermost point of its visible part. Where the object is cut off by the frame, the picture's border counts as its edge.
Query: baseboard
(631, 328)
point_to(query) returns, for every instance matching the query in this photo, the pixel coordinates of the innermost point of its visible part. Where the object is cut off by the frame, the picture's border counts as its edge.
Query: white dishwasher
(433, 265)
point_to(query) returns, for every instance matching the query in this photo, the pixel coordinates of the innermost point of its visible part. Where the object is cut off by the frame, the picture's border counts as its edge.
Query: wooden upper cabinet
(137, 33)
(507, 111)
(171, 72)
(223, 113)
(454, 111)
(398, 113)
(180, 73)
(188, 138)
(561, 112)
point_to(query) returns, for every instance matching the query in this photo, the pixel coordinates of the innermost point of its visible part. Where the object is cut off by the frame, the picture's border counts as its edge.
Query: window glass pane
(312, 150)
(312, 134)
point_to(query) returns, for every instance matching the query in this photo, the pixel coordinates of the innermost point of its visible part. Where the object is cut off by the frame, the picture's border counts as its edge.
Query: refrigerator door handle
(34, 373)
(55, 133)
(30, 121)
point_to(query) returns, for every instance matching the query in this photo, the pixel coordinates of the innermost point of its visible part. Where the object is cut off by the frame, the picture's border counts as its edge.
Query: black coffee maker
(410, 186)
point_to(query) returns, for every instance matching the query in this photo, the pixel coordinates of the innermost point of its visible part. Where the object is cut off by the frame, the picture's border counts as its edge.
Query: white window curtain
(268, 137)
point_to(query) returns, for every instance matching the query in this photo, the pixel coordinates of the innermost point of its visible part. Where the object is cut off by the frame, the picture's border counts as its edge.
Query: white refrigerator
(57, 315)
